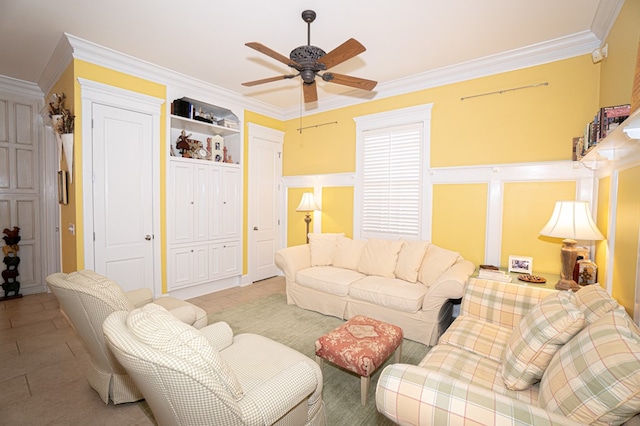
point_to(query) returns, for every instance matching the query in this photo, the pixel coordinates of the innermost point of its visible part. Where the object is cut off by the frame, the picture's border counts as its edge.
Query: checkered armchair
(86, 299)
(209, 376)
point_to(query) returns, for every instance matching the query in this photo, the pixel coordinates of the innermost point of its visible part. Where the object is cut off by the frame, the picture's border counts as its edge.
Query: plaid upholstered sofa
(521, 355)
(406, 283)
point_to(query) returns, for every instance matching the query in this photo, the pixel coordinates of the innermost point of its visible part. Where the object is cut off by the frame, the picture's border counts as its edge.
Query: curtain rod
(500, 92)
(317, 125)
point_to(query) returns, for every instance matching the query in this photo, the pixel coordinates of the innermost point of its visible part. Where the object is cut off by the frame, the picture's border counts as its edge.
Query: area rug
(298, 328)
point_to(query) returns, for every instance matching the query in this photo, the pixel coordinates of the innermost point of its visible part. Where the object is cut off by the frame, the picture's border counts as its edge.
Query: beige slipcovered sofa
(406, 283)
(518, 354)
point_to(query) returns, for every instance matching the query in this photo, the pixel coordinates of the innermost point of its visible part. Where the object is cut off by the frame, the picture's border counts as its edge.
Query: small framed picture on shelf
(522, 264)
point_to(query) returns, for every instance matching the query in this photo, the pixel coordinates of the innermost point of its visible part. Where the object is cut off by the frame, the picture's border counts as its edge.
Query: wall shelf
(619, 144)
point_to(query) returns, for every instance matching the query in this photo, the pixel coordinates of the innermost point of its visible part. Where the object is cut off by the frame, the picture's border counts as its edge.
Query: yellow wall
(626, 242)
(618, 68)
(459, 219)
(71, 254)
(527, 208)
(72, 246)
(337, 210)
(535, 124)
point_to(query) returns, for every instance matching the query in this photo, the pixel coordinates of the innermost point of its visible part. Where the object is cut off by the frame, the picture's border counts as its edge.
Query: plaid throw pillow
(595, 378)
(541, 332)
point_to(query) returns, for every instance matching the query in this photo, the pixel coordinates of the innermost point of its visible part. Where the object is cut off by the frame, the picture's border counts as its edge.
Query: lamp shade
(572, 220)
(307, 204)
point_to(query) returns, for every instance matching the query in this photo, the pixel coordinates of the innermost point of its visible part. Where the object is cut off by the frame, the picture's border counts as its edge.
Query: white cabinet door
(231, 258)
(231, 215)
(201, 263)
(201, 202)
(180, 267)
(181, 203)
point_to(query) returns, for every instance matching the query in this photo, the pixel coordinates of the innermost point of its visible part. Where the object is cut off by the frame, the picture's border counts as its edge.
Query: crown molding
(19, 87)
(554, 50)
(70, 47)
(58, 62)
(606, 15)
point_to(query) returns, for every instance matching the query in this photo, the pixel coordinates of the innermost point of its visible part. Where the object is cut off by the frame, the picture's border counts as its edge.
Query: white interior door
(122, 196)
(265, 173)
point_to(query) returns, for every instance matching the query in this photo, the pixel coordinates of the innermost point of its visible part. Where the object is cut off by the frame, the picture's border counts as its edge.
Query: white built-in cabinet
(203, 211)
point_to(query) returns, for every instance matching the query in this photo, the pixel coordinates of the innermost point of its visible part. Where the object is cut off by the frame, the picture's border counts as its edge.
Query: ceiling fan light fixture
(309, 60)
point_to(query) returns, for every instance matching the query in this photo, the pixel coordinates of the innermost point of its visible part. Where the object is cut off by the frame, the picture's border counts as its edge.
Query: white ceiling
(407, 41)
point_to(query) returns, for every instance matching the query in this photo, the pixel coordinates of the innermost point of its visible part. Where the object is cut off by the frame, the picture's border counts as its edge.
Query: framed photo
(521, 264)
(63, 194)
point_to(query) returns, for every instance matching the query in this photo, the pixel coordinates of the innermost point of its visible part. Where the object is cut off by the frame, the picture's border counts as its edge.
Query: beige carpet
(299, 329)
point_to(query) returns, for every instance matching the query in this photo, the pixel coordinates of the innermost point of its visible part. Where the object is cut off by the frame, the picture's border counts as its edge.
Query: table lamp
(572, 221)
(307, 205)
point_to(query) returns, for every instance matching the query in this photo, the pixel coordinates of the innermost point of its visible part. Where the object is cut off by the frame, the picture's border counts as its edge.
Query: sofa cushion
(595, 377)
(541, 332)
(482, 337)
(388, 292)
(322, 248)
(379, 257)
(594, 301)
(473, 368)
(348, 253)
(436, 261)
(410, 259)
(156, 327)
(328, 279)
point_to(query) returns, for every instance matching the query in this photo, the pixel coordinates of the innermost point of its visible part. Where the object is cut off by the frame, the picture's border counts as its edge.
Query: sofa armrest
(218, 334)
(411, 395)
(500, 303)
(450, 285)
(278, 395)
(139, 297)
(292, 259)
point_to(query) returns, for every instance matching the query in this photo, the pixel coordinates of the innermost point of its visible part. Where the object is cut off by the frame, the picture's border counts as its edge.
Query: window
(392, 154)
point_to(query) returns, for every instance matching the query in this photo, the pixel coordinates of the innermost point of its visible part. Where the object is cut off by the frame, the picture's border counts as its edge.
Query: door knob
(147, 237)
(255, 228)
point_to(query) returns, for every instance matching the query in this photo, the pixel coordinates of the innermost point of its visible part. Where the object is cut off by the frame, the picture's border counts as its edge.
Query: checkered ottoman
(360, 345)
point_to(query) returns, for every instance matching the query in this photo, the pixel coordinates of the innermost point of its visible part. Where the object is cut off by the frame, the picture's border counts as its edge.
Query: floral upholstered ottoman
(361, 345)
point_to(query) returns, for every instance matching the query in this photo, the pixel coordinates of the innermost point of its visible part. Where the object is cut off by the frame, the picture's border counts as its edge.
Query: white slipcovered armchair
(87, 298)
(210, 377)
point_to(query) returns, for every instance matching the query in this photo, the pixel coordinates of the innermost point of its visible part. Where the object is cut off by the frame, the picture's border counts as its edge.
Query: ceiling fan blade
(310, 92)
(347, 80)
(272, 53)
(267, 80)
(346, 50)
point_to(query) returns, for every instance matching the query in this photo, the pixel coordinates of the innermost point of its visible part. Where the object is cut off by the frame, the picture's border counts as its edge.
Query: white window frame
(399, 117)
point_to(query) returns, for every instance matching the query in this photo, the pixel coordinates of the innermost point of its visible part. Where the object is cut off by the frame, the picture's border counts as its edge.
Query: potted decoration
(63, 123)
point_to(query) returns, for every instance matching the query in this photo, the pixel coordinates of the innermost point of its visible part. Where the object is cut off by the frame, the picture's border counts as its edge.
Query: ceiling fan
(310, 61)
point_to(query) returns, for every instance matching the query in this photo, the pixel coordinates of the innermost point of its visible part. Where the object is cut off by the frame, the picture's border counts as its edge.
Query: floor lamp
(307, 205)
(572, 221)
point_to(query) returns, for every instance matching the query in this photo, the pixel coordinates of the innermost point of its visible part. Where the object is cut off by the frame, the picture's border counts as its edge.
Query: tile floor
(42, 362)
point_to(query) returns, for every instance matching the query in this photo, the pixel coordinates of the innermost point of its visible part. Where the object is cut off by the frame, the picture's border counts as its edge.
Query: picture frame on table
(523, 264)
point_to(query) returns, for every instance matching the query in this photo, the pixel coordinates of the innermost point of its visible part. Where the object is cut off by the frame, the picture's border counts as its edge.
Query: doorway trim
(93, 92)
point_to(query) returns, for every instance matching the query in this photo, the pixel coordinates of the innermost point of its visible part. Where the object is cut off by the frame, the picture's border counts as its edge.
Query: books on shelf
(493, 274)
(604, 122)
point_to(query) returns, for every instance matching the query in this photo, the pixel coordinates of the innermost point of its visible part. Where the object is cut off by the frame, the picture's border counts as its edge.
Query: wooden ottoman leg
(319, 361)
(364, 389)
(398, 353)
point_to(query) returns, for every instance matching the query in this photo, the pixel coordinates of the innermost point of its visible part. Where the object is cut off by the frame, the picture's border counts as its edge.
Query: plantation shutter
(391, 176)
